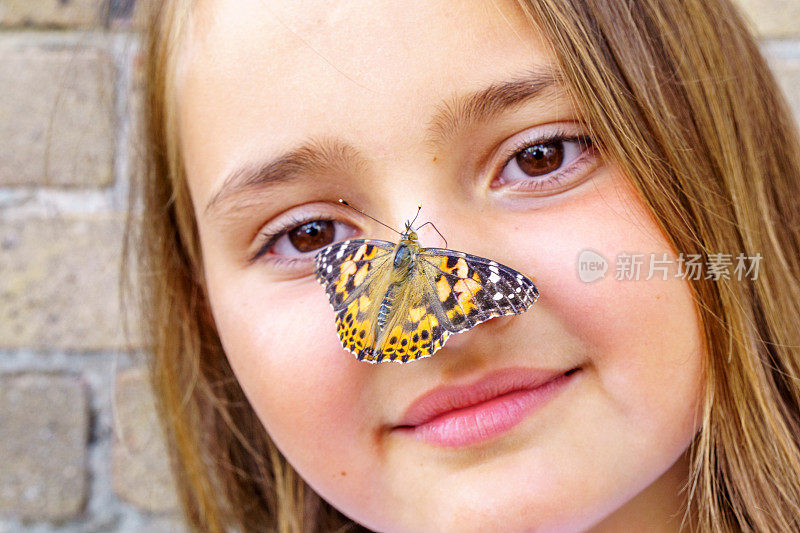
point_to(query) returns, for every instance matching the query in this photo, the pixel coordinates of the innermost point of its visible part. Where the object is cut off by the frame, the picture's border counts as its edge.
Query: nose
(454, 213)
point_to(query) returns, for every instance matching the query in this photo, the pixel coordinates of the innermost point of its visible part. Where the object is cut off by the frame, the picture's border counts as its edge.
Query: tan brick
(59, 287)
(773, 18)
(52, 13)
(140, 468)
(43, 437)
(56, 114)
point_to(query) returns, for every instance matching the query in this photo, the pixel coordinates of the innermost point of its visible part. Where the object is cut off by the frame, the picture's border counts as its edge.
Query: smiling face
(286, 107)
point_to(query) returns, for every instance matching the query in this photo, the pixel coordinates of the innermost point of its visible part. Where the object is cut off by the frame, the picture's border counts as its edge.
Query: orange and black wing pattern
(346, 268)
(472, 289)
(355, 276)
(444, 292)
(415, 330)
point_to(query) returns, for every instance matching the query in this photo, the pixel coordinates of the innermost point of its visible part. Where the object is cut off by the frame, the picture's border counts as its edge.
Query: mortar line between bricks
(25, 360)
(66, 36)
(102, 507)
(124, 49)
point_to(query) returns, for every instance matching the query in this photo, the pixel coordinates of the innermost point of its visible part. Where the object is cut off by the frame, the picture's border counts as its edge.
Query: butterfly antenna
(437, 231)
(419, 208)
(343, 202)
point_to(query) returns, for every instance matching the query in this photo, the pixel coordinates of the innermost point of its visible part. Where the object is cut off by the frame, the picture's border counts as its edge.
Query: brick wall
(80, 448)
(79, 444)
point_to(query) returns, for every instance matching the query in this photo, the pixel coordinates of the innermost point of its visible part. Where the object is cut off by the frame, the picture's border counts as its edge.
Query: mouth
(456, 416)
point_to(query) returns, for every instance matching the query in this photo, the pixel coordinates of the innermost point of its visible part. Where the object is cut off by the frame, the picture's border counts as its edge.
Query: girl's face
(284, 108)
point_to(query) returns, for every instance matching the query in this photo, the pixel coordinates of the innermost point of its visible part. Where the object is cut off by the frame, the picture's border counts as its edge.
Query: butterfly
(400, 302)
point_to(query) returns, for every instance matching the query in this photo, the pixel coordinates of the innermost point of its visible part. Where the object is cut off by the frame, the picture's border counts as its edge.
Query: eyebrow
(312, 155)
(461, 111)
(451, 116)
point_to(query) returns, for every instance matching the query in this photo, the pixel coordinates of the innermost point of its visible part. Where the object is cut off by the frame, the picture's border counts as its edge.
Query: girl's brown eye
(541, 159)
(312, 235)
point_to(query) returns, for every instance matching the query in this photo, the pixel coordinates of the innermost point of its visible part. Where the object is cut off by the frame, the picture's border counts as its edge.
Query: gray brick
(57, 112)
(773, 18)
(59, 287)
(44, 426)
(140, 468)
(130, 14)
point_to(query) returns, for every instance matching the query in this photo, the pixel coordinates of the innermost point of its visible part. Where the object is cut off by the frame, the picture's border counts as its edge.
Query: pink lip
(463, 415)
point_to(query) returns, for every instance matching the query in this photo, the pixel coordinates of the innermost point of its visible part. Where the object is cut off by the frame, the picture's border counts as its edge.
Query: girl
(604, 149)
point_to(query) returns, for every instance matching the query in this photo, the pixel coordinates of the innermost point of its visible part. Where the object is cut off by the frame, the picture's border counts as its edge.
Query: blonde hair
(678, 95)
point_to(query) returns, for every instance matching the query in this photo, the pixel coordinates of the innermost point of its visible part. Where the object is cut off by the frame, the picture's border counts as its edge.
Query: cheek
(642, 337)
(278, 349)
(283, 348)
(640, 340)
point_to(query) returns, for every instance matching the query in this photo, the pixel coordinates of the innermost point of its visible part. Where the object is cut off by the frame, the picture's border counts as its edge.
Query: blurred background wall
(80, 449)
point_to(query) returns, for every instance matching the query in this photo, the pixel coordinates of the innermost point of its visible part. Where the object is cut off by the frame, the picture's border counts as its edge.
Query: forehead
(260, 76)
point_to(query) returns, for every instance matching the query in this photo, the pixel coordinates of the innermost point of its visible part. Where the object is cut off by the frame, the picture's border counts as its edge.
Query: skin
(609, 451)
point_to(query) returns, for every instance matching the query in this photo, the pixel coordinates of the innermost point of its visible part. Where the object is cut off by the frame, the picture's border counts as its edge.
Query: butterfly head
(407, 237)
(409, 234)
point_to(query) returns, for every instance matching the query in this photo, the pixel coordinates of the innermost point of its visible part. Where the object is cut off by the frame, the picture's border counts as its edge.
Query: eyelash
(562, 136)
(271, 237)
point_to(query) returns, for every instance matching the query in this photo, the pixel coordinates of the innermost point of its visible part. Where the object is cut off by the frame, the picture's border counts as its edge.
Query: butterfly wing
(449, 292)
(472, 289)
(413, 330)
(345, 268)
(355, 275)
(445, 292)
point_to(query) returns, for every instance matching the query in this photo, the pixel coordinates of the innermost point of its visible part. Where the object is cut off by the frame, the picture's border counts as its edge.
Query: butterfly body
(400, 302)
(404, 260)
